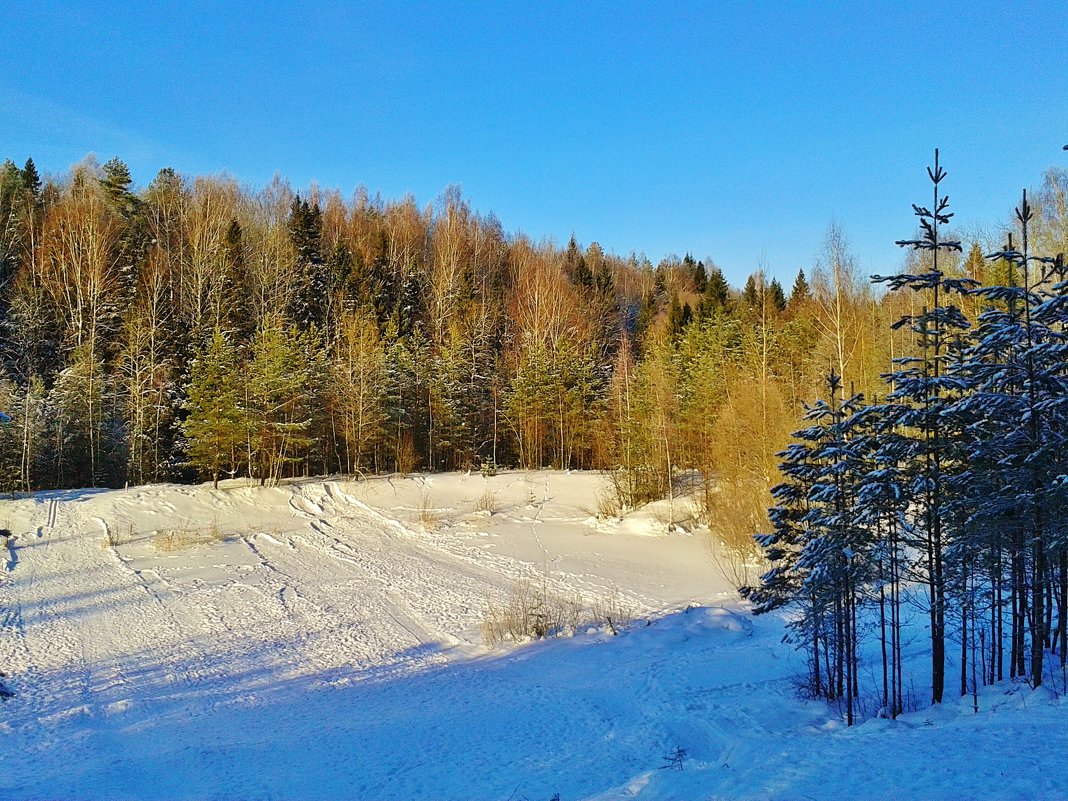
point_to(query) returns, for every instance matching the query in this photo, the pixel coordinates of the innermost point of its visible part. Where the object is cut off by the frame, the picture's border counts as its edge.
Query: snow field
(320, 640)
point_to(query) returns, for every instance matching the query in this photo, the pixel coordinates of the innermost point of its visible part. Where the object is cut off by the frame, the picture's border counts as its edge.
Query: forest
(903, 432)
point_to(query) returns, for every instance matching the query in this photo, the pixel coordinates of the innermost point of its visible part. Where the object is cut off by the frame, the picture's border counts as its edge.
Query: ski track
(448, 550)
(327, 646)
(352, 593)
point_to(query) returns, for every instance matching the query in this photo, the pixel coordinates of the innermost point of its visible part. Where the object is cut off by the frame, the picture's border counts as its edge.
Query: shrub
(533, 611)
(487, 501)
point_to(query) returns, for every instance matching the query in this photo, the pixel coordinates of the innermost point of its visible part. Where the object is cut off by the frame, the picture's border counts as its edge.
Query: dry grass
(487, 501)
(612, 611)
(115, 536)
(608, 506)
(179, 539)
(428, 515)
(678, 514)
(533, 611)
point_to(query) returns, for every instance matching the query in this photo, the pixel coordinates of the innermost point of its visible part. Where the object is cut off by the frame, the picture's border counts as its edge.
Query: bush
(638, 485)
(487, 501)
(533, 611)
(608, 505)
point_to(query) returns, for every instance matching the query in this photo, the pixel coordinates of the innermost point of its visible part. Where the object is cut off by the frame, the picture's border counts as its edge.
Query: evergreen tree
(776, 295)
(239, 313)
(11, 475)
(677, 317)
(1017, 370)
(215, 425)
(31, 180)
(312, 277)
(921, 399)
(801, 293)
(277, 399)
(604, 281)
(647, 312)
(577, 268)
(753, 292)
(716, 296)
(696, 271)
(117, 184)
(818, 547)
(133, 241)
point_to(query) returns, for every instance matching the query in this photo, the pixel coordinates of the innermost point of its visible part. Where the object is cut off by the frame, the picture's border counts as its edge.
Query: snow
(321, 640)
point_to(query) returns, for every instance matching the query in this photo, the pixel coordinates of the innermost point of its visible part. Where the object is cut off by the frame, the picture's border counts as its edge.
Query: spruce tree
(313, 287)
(716, 295)
(819, 549)
(801, 293)
(677, 317)
(31, 180)
(696, 270)
(753, 291)
(577, 268)
(776, 295)
(1017, 367)
(215, 425)
(277, 399)
(920, 396)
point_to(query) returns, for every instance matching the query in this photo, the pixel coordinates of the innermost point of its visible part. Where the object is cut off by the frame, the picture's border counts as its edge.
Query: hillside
(322, 639)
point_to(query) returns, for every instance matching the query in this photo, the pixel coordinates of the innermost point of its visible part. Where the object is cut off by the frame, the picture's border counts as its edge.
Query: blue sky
(735, 131)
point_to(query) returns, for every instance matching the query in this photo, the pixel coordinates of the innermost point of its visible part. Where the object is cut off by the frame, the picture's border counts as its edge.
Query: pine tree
(117, 184)
(133, 240)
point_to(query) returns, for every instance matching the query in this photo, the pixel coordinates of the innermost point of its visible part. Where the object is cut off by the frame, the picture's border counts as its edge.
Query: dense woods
(196, 329)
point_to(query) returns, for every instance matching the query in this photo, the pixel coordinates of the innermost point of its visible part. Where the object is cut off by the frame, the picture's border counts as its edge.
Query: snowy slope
(323, 642)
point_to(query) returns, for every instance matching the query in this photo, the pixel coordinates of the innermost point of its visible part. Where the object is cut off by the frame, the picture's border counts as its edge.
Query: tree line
(195, 328)
(952, 476)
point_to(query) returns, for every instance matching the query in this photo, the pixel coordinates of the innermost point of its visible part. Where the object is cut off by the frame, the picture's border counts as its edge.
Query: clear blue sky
(731, 130)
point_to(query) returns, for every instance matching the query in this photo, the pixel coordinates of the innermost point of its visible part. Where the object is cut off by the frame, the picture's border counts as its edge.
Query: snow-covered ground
(321, 640)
